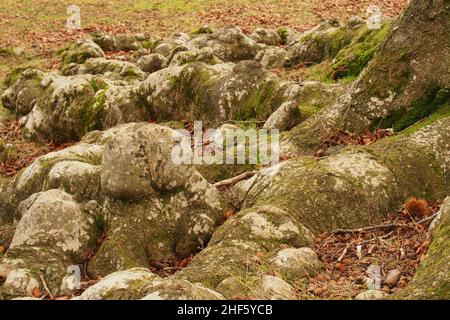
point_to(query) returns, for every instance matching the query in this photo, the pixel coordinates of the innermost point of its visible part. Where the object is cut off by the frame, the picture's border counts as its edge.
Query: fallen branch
(383, 226)
(234, 180)
(44, 284)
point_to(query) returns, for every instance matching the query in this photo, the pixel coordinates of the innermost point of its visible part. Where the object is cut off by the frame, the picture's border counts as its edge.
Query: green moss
(401, 119)
(147, 44)
(340, 39)
(4, 52)
(283, 33)
(441, 113)
(201, 30)
(352, 59)
(12, 77)
(260, 102)
(98, 84)
(130, 73)
(92, 113)
(308, 110)
(73, 54)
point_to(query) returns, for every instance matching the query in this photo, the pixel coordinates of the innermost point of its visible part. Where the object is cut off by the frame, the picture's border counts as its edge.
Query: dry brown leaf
(36, 292)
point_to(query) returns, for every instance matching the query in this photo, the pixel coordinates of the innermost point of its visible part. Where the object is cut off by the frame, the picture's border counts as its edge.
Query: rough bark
(408, 79)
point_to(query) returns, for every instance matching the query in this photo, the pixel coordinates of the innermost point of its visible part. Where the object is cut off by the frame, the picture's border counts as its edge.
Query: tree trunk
(408, 79)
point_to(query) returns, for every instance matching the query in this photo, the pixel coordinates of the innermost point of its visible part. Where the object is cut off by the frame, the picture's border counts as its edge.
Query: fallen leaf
(340, 267)
(229, 214)
(36, 292)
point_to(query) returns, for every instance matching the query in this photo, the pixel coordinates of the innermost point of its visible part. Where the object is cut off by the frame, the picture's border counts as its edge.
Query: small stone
(175, 289)
(21, 282)
(392, 278)
(273, 288)
(285, 117)
(297, 263)
(121, 285)
(371, 295)
(230, 288)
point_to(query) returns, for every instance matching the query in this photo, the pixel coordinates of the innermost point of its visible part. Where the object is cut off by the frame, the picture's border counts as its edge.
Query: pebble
(392, 278)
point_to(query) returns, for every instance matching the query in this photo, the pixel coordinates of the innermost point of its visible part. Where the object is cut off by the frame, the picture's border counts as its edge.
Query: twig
(343, 253)
(383, 226)
(44, 284)
(234, 180)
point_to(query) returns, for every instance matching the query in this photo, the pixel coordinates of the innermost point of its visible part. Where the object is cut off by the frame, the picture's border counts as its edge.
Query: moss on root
(351, 60)
(432, 102)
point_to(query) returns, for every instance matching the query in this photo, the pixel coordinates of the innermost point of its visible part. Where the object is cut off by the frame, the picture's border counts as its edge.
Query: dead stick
(383, 226)
(343, 253)
(44, 284)
(234, 180)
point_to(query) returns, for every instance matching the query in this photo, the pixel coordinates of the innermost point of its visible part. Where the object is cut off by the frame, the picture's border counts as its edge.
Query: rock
(76, 115)
(32, 179)
(110, 69)
(371, 295)
(272, 57)
(285, 117)
(241, 91)
(22, 95)
(52, 234)
(79, 51)
(152, 62)
(287, 35)
(322, 42)
(205, 55)
(231, 288)
(79, 179)
(121, 42)
(180, 290)
(268, 37)
(231, 44)
(122, 285)
(147, 191)
(274, 288)
(70, 229)
(297, 263)
(18, 51)
(20, 282)
(254, 230)
(392, 278)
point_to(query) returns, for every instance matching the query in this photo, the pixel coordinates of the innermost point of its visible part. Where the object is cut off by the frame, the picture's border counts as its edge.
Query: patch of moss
(91, 114)
(13, 76)
(201, 30)
(260, 102)
(98, 84)
(283, 33)
(351, 60)
(4, 52)
(441, 113)
(147, 44)
(402, 119)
